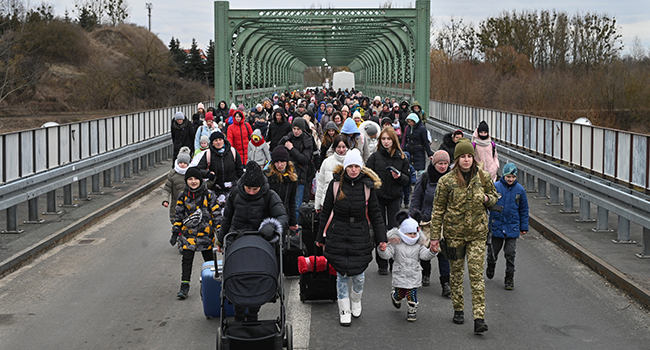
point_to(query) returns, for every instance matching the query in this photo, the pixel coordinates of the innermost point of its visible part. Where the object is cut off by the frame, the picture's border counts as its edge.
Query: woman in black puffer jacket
(278, 128)
(415, 140)
(282, 179)
(345, 233)
(389, 154)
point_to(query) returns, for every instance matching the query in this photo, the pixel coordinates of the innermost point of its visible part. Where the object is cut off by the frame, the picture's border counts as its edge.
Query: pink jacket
(483, 154)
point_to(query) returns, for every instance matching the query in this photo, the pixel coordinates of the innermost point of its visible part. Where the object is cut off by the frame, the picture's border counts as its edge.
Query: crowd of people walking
(360, 161)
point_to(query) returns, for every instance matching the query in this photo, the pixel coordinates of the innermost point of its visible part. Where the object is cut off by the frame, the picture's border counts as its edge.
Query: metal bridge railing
(40, 161)
(534, 145)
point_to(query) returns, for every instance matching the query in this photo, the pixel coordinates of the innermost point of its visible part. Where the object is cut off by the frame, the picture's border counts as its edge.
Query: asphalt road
(114, 287)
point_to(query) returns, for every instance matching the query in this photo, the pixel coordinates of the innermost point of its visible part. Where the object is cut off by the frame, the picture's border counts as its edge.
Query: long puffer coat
(416, 141)
(173, 187)
(407, 271)
(225, 164)
(391, 188)
(348, 244)
(238, 135)
(245, 212)
(202, 203)
(182, 135)
(514, 217)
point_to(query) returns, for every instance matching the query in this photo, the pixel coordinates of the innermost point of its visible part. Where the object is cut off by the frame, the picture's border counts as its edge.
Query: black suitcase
(318, 285)
(293, 248)
(309, 221)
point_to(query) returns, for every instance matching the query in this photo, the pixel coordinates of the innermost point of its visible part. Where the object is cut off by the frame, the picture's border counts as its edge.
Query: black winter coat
(425, 191)
(220, 115)
(416, 142)
(276, 131)
(448, 145)
(391, 189)
(287, 192)
(348, 244)
(182, 135)
(301, 154)
(245, 212)
(225, 167)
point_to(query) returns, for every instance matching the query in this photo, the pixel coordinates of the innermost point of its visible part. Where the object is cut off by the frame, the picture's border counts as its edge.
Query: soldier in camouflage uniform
(459, 212)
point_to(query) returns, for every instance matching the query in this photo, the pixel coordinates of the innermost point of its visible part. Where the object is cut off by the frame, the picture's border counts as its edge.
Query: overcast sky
(187, 19)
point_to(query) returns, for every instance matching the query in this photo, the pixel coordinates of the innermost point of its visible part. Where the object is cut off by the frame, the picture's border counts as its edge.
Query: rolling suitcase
(211, 291)
(293, 248)
(319, 285)
(309, 221)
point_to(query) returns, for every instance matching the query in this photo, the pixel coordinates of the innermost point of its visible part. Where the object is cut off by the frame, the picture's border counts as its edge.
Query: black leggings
(188, 259)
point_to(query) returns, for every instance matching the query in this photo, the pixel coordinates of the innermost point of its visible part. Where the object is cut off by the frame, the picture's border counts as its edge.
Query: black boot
(459, 317)
(444, 283)
(489, 272)
(426, 281)
(480, 326)
(509, 281)
(185, 289)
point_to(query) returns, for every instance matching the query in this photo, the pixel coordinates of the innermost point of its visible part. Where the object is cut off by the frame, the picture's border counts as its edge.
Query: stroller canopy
(250, 271)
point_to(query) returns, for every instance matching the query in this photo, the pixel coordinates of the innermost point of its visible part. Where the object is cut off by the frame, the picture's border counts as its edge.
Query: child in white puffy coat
(406, 246)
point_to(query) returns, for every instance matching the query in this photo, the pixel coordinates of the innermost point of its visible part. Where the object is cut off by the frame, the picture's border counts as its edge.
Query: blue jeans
(299, 192)
(343, 284)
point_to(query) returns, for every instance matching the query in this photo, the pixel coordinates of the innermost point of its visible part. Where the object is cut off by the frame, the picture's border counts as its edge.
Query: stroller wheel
(289, 336)
(219, 343)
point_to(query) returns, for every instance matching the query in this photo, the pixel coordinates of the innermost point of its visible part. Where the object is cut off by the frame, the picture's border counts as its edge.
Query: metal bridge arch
(258, 52)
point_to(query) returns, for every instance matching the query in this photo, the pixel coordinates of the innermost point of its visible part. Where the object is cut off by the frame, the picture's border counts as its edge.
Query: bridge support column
(32, 212)
(144, 162)
(602, 223)
(555, 195)
(95, 188)
(623, 236)
(12, 221)
(158, 157)
(152, 160)
(83, 190)
(568, 203)
(51, 204)
(136, 166)
(585, 211)
(530, 183)
(67, 197)
(117, 170)
(127, 170)
(541, 187)
(107, 178)
(645, 254)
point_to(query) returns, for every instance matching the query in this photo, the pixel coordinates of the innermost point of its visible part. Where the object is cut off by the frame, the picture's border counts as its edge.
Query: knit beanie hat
(193, 172)
(353, 157)
(440, 156)
(386, 120)
(179, 115)
(509, 169)
(253, 177)
(200, 106)
(414, 117)
(216, 135)
(209, 116)
(483, 127)
(371, 129)
(183, 158)
(409, 225)
(464, 146)
(279, 154)
(205, 138)
(301, 123)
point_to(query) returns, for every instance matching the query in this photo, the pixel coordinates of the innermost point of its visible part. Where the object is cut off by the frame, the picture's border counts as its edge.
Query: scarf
(179, 169)
(409, 240)
(258, 142)
(483, 142)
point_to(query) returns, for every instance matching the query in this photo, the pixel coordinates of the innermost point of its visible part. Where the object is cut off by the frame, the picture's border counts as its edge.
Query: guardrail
(628, 204)
(40, 161)
(619, 155)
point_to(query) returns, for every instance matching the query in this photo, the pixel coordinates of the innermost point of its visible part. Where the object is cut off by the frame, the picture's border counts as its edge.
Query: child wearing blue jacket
(507, 225)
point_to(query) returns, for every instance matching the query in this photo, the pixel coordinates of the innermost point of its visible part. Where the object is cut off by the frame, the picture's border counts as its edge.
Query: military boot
(459, 317)
(444, 283)
(509, 281)
(480, 326)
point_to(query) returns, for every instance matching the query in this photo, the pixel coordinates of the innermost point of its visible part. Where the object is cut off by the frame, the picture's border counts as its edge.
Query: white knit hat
(409, 226)
(353, 157)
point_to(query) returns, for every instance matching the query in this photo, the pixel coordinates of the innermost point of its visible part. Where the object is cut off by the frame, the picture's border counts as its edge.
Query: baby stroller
(252, 276)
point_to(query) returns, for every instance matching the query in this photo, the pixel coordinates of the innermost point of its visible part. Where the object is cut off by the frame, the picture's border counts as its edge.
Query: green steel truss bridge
(258, 52)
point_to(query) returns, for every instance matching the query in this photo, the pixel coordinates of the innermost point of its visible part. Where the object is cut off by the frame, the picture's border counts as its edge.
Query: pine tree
(194, 65)
(209, 65)
(178, 56)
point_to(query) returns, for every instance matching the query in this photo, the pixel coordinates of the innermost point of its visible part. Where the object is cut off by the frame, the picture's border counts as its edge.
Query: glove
(267, 231)
(174, 239)
(211, 176)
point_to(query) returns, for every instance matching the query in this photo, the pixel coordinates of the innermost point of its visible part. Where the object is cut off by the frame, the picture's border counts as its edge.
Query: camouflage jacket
(198, 216)
(461, 212)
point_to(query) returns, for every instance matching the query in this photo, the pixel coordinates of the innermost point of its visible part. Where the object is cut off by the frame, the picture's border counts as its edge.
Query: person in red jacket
(238, 135)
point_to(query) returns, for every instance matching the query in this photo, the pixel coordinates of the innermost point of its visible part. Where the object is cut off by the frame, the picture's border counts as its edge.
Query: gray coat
(407, 272)
(173, 187)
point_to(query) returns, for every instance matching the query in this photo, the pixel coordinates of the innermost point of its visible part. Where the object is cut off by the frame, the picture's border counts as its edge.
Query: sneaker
(509, 284)
(459, 317)
(383, 271)
(480, 326)
(489, 272)
(185, 289)
(446, 290)
(396, 303)
(426, 281)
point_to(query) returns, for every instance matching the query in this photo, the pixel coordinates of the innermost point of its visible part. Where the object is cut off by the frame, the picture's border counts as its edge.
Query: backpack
(494, 147)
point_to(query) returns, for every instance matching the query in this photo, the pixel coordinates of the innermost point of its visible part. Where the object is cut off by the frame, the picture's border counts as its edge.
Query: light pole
(149, 6)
